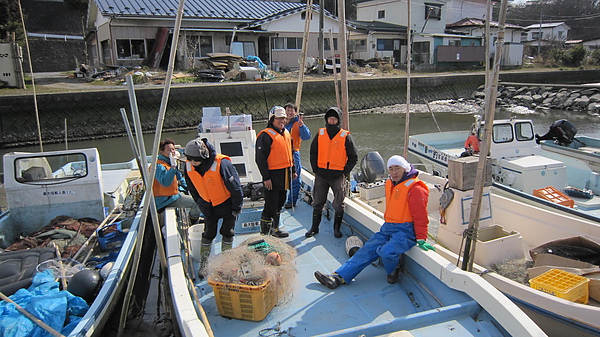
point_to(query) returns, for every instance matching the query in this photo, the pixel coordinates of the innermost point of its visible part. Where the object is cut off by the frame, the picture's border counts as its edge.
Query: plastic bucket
(195, 235)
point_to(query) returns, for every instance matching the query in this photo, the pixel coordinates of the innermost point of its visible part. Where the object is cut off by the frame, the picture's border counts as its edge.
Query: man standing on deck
(215, 186)
(332, 157)
(299, 132)
(169, 185)
(405, 225)
(276, 165)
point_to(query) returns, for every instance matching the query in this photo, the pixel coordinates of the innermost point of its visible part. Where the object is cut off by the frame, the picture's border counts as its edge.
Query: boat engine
(372, 168)
(561, 132)
(254, 191)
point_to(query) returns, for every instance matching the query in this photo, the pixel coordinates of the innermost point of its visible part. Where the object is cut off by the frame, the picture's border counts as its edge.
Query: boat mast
(344, 64)
(302, 59)
(408, 65)
(35, 103)
(490, 109)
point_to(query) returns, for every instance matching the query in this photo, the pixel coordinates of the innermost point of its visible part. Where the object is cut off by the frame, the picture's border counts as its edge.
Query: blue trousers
(392, 240)
(296, 183)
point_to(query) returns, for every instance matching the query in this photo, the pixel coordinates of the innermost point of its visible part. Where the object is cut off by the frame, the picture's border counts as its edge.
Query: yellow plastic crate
(251, 303)
(562, 284)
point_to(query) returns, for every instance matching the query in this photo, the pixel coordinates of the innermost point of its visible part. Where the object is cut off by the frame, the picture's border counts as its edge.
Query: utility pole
(321, 40)
(540, 35)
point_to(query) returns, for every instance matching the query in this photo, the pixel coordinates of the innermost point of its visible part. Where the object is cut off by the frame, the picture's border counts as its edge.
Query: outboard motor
(372, 168)
(561, 132)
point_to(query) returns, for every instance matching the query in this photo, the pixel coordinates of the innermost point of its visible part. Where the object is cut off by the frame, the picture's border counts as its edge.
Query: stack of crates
(562, 284)
(552, 194)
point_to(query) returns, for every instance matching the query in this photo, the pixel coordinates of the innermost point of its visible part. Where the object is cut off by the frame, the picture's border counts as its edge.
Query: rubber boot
(205, 248)
(265, 226)
(275, 228)
(316, 220)
(337, 224)
(226, 244)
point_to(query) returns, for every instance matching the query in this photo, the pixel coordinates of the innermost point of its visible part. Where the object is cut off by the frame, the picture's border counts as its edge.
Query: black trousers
(274, 201)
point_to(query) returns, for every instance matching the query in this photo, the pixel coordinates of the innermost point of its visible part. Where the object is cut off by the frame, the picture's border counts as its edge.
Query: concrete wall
(96, 114)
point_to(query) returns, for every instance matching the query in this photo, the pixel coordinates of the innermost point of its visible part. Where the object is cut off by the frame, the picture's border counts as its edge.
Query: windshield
(51, 167)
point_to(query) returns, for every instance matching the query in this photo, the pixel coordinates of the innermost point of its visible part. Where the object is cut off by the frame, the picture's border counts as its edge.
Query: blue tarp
(61, 310)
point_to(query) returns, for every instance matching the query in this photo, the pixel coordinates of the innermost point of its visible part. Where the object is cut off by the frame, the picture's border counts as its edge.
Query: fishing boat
(508, 231)
(433, 297)
(520, 169)
(41, 187)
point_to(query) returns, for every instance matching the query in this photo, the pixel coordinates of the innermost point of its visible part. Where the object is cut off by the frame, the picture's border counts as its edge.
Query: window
(536, 35)
(132, 49)
(421, 52)
(199, 46)
(524, 131)
(358, 45)
(287, 43)
(454, 42)
(433, 11)
(244, 48)
(335, 44)
(44, 168)
(381, 14)
(386, 44)
(560, 34)
(502, 133)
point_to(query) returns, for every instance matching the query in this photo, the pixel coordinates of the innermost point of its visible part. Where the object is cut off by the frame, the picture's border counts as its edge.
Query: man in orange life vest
(299, 132)
(405, 225)
(276, 165)
(169, 184)
(332, 157)
(215, 185)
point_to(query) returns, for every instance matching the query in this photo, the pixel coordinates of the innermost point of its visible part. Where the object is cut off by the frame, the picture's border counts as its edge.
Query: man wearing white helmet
(276, 165)
(405, 226)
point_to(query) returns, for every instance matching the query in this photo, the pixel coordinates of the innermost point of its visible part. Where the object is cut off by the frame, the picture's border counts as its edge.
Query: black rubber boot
(316, 220)
(205, 248)
(265, 226)
(275, 228)
(337, 224)
(331, 281)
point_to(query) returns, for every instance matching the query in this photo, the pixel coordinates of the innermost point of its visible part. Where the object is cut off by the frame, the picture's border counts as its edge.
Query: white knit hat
(400, 161)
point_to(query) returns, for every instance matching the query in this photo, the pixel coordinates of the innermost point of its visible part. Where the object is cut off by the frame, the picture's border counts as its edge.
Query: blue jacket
(165, 178)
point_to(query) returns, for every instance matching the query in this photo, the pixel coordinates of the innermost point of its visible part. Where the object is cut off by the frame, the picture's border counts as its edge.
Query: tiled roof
(379, 26)
(470, 22)
(213, 9)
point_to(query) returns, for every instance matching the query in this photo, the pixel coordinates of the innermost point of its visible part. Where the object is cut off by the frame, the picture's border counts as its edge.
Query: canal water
(372, 130)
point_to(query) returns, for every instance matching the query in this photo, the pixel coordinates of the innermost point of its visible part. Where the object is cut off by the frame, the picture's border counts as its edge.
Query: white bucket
(195, 235)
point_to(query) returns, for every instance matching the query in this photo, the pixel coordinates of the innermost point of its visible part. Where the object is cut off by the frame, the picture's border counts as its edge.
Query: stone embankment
(575, 98)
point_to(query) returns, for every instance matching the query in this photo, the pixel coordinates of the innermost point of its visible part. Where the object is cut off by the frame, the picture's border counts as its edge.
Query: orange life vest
(210, 186)
(165, 191)
(295, 133)
(281, 149)
(332, 152)
(396, 200)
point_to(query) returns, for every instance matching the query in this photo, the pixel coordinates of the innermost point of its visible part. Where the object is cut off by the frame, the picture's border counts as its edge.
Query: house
(591, 44)
(129, 33)
(546, 33)
(512, 52)
(381, 32)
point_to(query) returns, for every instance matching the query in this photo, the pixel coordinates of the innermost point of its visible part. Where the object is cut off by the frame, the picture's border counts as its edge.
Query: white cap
(277, 112)
(400, 161)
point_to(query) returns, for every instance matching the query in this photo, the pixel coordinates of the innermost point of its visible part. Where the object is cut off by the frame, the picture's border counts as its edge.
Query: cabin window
(55, 167)
(132, 49)
(328, 47)
(433, 11)
(199, 46)
(241, 169)
(502, 133)
(233, 149)
(524, 131)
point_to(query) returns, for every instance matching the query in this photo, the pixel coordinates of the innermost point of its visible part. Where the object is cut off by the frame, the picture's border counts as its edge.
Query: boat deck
(368, 306)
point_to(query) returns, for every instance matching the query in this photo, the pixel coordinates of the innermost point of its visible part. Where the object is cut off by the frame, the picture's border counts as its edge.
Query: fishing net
(254, 262)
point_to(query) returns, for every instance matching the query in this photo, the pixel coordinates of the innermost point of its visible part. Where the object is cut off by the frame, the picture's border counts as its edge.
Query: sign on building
(10, 65)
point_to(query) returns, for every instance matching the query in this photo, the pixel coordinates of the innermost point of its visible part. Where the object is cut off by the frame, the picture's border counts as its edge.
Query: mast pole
(408, 65)
(490, 109)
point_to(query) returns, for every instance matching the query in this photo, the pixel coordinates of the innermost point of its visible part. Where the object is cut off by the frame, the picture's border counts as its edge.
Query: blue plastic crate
(111, 240)
(248, 221)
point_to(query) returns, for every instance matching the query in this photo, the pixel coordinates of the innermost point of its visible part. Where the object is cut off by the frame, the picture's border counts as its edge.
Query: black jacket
(263, 149)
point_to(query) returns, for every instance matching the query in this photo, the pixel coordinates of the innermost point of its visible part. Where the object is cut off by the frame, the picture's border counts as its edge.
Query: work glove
(173, 160)
(236, 213)
(425, 246)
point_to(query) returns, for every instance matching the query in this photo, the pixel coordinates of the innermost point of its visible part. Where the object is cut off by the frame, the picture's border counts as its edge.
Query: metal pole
(344, 63)
(302, 59)
(321, 40)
